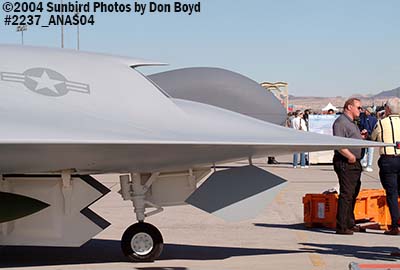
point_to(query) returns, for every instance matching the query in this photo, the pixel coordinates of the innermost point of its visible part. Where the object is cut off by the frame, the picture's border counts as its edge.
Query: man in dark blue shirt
(368, 122)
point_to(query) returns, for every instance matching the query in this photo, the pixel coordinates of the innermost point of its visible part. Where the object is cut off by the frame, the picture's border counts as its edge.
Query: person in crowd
(388, 130)
(293, 117)
(307, 112)
(288, 123)
(331, 111)
(368, 122)
(289, 119)
(346, 163)
(299, 124)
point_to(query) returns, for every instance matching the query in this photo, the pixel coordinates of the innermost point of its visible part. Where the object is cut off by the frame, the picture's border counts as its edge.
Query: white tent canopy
(328, 107)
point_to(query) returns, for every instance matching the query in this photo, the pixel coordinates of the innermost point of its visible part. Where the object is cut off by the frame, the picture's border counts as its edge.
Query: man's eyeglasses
(358, 108)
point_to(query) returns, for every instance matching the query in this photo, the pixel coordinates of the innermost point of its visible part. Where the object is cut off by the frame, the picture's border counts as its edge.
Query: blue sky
(323, 48)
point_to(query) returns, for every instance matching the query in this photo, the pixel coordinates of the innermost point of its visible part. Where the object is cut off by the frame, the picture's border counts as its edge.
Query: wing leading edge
(227, 137)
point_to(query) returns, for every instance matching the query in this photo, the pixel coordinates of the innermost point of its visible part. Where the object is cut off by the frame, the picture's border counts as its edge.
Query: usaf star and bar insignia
(45, 82)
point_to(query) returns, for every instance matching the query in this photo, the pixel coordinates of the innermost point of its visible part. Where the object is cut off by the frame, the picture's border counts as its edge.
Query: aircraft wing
(95, 113)
(210, 135)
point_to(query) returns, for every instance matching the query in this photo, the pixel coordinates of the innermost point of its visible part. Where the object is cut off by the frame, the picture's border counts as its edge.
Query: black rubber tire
(149, 229)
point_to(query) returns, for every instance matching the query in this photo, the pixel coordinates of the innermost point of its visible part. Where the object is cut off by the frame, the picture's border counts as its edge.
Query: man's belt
(391, 156)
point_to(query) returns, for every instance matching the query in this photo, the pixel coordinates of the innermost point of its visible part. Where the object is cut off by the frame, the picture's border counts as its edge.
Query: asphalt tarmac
(276, 239)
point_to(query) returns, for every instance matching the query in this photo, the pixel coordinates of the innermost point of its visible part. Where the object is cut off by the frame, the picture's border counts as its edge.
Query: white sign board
(321, 124)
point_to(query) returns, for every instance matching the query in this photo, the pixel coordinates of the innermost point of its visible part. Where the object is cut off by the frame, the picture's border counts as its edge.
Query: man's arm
(376, 132)
(347, 154)
(339, 130)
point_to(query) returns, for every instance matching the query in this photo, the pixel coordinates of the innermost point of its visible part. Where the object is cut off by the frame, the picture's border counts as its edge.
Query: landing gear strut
(141, 242)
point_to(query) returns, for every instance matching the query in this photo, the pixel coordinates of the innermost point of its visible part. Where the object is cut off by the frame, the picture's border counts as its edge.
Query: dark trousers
(350, 182)
(389, 173)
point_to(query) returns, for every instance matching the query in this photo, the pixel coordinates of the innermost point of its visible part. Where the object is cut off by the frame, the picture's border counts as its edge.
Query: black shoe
(357, 228)
(392, 231)
(345, 232)
(272, 160)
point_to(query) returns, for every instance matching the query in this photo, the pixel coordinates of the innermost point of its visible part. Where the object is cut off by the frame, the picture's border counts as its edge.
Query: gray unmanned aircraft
(68, 116)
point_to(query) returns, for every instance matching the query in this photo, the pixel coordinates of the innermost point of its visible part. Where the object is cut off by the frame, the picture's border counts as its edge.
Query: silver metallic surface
(142, 243)
(222, 88)
(126, 124)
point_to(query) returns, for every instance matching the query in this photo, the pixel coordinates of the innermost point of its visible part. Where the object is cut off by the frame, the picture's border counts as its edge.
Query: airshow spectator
(307, 112)
(289, 119)
(299, 124)
(346, 163)
(331, 111)
(305, 117)
(388, 130)
(368, 122)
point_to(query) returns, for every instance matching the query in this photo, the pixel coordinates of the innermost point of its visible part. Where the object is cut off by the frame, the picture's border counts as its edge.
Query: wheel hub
(142, 243)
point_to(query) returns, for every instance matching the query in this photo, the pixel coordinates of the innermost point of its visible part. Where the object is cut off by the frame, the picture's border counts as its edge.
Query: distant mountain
(390, 93)
(384, 94)
(317, 103)
(292, 97)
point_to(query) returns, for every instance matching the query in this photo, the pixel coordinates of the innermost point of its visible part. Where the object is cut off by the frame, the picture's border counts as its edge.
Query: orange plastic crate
(385, 218)
(371, 204)
(320, 209)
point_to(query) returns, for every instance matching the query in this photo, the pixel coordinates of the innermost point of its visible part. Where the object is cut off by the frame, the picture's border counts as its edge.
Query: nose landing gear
(142, 242)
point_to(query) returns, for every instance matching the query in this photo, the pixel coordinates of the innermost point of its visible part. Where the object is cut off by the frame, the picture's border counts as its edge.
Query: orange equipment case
(320, 209)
